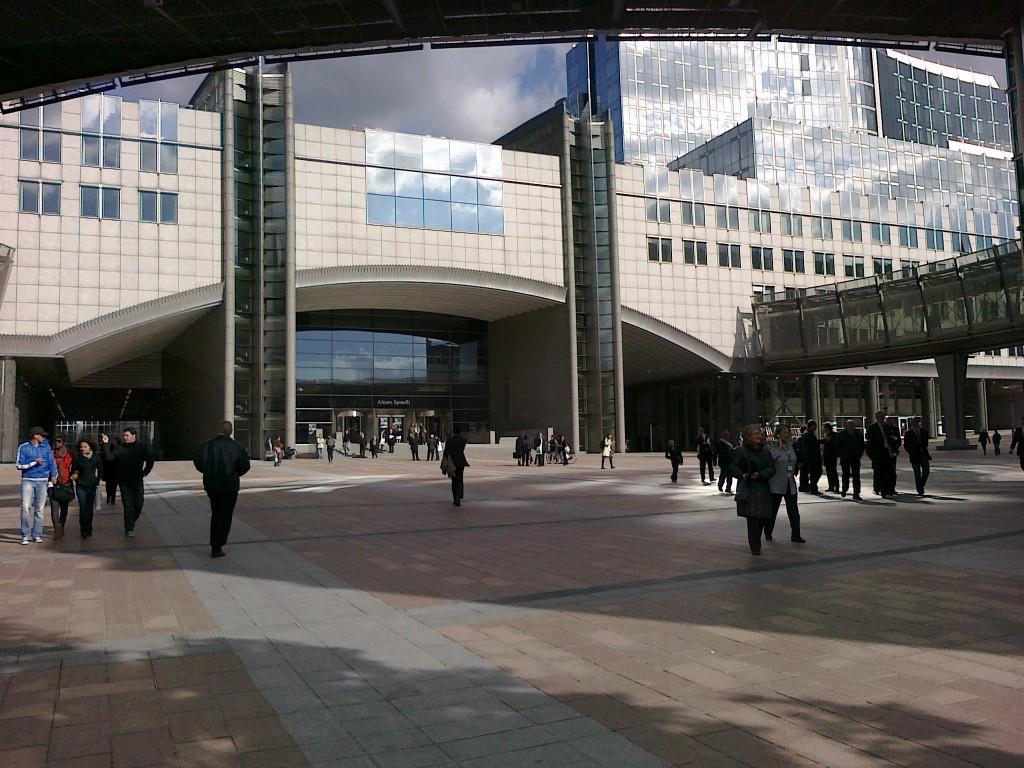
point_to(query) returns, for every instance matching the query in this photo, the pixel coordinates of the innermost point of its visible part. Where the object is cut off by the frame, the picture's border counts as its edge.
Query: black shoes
(798, 540)
(217, 553)
(457, 503)
(768, 537)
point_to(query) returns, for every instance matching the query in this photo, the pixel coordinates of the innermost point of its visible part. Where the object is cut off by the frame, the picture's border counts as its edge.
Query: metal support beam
(952, 383)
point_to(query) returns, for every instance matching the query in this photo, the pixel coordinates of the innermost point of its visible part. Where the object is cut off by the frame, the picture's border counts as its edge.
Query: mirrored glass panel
(435, 154)
(380, 148)
(149, 119)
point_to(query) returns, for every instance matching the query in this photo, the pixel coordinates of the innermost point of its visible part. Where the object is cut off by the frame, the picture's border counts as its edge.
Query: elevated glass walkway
(963, 304)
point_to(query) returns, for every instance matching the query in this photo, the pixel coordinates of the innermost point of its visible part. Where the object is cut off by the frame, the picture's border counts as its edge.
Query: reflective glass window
(880, 234)
(653, 249)
(409, 212)
(91, 150)
(111, 152)
(492, 220)
(464, 217)
(91, 113)
(51, 146)
(935, 240)
(380, 209)
(695, 252)
(729, 255)
(463, 157)
(148, 206)
(489, 192)
(409, 184)
(168, 158)
(90, 202)
(666, 250)
(168, 121)
(147, 155)
(111, 115)
(693, 214)
(463, 190)
(28, 197)
(168, 208)
(435, 154)
(29, 117)
(50, 198)
(881, 265)
(488, 161)
(761, 258)
(853, 266)
(792, 261)
(408, 151)
(149, 119)
(29, 144)
(53, 116)
(908, 237)
(437, 214)
(380, 181)
(380, 148)
(111, 199)
(824, 263)
(437, 187)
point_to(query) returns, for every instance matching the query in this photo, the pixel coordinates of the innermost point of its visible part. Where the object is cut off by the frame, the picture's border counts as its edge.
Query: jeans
(132, 497)
(724, 479)
(33, 500)
(922, 469)
(86, 507)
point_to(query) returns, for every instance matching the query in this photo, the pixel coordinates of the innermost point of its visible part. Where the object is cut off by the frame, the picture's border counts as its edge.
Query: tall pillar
(871, 399)
(931, 415)
(982, 415)
(751, 413)
(812, 398)
(952, 383)
(10, 421)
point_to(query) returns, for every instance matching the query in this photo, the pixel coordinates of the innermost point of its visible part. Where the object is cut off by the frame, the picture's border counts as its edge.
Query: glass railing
(976, 294)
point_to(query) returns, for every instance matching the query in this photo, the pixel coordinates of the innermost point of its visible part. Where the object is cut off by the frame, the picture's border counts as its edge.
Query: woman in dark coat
(753, 466)
(87, 472)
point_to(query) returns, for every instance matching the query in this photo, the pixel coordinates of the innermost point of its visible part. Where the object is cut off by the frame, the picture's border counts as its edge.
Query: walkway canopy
(964, 304)
(50, 49)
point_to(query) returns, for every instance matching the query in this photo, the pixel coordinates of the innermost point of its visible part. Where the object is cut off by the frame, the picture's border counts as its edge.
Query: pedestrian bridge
(963, 304)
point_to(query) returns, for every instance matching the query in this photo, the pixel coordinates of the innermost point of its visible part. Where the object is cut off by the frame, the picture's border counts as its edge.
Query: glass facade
(428, 183)
(374, 360)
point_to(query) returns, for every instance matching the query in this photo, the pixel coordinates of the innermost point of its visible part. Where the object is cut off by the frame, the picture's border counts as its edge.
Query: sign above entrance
(394, 402)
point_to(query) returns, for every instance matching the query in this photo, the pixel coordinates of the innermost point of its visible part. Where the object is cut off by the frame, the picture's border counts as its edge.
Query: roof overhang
(653, 350)
(470, 293)
(49, 46)
(124, 335)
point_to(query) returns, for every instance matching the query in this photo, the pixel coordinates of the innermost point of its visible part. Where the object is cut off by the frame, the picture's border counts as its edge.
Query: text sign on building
(394, 402)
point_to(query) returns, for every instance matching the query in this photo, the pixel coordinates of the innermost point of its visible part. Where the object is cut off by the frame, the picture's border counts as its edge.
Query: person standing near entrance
(455, 451)
(675, 456)
(916, 443)
(38, 470)
(63, 490)
(391, 440)
(830, 457)
(607, 450)
(850, 448)
(432, 442)
(414, 444)
(705, 455)
(133, 464)
(222, 461)
(331, 443)
(808, 447)
(86, 472)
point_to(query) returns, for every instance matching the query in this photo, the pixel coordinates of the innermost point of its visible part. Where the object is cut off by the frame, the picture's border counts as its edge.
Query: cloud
(475, 94)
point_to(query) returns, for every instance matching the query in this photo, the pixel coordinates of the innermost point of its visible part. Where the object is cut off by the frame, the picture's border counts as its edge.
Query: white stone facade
(69, 269)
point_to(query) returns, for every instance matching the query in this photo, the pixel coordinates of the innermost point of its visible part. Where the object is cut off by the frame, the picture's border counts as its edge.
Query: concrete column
(952, 383)
(290, 259)
(751, 413)
(981, 417)
(569, 267)
(812, 398)
(931, 404)
(228, 236)
(10, 417)
(871, 399)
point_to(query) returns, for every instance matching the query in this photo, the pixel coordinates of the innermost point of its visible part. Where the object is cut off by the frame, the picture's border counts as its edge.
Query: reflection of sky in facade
(800, 156)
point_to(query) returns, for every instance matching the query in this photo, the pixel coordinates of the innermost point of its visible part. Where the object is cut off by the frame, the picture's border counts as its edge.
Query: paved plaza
(562, 617)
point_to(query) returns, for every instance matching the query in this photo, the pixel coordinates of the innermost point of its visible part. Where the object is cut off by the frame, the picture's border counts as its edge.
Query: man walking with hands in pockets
(222, 461)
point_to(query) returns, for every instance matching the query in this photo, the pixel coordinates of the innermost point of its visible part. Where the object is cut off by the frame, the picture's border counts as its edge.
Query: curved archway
(653, 350)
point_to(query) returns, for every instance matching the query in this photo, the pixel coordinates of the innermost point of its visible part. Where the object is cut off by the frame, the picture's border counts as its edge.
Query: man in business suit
(222, 461)
(880, 451)
(850, 448)
(1018, 440)
(916, 443)
(455, 449)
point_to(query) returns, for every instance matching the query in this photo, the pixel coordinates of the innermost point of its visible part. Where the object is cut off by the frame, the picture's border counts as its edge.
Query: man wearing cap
(38, 470)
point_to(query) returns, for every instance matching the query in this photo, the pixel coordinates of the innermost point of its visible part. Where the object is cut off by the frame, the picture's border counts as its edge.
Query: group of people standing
(62, 475)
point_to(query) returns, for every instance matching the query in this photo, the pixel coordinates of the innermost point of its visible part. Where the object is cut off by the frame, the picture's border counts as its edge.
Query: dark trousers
(222, 507)
(851, 470)
(755, 527)
(540, 458)
(675, 471)
(810, 474)
(832, 473)
(884, 470)
(922, 468)
(457, 485)
(330, 454)
(792, 512)
(724, 479)
(86, 508)
(132, 497)
(415, 448)
(710, 465)
(111, 490)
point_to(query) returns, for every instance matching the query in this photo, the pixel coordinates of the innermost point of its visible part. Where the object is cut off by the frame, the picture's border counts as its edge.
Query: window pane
(490, 192)
(29, 144)
(29, 197)
(112, 115)
(111, 203)
(169, 122)
(52, 114)
(666, 250)
(463, 157)
(464, 217)
(435, 154)
(653, 252)
(380, 148)
(409, 212)
(91, 113)
(463, 190)
(91, 202)
(147, 155)
(90, 150)
(168, 158)
(111, 152)
(51, 147)
(408, 151)
(169, 208)
(380, 181)
(51, 198)
(488, 161)
(149, 112)
(30, 116)
(147, 206)
(380, 209)
(651, 209)
(437, 214)
(409, 184)
(492, 221)
(437, 187)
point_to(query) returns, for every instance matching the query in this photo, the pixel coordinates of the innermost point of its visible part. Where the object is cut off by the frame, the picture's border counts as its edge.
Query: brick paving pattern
(561, 617)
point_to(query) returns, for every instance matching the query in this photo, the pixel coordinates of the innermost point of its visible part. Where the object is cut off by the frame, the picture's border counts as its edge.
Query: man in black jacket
(916, 443)
(674, 455)
(850, 448)
(455, 449)
(134, 462)
(881, 451)
(808, 450)
(222, 461)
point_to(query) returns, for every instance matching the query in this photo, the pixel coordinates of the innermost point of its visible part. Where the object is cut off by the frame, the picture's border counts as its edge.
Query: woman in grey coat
(783, 484)
(753, 466)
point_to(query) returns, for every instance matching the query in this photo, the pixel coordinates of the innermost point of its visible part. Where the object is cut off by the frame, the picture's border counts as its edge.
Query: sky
(475, 94)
